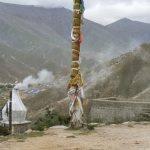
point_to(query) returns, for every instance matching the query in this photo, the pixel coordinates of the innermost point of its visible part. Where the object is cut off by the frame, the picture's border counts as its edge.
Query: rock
(137, 142)
(102, 124)
(113, 125)
(70, 136)
(58, 127)
(93, 124)
(29, 131)
(126, 123)
(145, 123)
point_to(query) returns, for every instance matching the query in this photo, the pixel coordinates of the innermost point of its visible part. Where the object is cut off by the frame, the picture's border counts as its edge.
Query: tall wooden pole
(75, 84)
(10, 113)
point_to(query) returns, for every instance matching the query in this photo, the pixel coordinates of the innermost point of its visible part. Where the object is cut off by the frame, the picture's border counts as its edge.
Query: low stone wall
(17, 128)
(112, 111)
(20, 128)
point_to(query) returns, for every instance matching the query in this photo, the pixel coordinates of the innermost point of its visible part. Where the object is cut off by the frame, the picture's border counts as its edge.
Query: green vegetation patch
(4, 131)
(50, 119)
(23, 137)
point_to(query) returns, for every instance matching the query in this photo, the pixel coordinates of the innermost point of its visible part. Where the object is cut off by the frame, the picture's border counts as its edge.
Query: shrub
(50, 119)
(4, 131)
(117, 120)
(142, 117)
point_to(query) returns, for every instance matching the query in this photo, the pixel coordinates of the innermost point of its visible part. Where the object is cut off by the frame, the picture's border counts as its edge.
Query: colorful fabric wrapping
(75, 57)
(74, 72)
(75, 84)
(76, 1)
(75, 95)
(79, 6)
(76, 45)
(76, 15)
(76, 52)
(76, 22)
(80, 38)
(76, 80)
(77, 37)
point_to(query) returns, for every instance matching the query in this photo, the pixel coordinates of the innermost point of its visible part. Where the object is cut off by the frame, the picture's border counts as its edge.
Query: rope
(75, 81)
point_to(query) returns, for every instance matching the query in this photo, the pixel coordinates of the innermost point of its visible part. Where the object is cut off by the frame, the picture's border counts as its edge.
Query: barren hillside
(125, 76)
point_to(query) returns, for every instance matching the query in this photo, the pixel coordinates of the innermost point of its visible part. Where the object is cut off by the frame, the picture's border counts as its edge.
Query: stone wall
(20, 128)
(112, 111)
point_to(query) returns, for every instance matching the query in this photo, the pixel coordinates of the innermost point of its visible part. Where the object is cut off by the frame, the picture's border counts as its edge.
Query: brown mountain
(125, 76)
(34, 38)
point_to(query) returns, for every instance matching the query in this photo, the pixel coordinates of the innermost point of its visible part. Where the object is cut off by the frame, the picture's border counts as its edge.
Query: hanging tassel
(80, 38)
(82, 7)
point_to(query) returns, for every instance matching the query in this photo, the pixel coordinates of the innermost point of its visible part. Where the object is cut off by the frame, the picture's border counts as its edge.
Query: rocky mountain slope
(132, 32)
(34, 38)
(125, 76)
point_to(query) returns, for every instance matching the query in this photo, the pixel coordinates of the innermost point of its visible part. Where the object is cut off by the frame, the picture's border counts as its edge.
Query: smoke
(43, 77)
(98, 75)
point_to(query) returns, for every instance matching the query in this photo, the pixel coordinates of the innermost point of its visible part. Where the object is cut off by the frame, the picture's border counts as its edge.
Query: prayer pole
(75, 84)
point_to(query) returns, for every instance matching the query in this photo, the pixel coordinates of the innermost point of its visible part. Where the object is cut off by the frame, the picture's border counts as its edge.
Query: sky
(100, 11)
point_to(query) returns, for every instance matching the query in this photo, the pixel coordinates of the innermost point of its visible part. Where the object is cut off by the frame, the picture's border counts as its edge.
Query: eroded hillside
(125, 76)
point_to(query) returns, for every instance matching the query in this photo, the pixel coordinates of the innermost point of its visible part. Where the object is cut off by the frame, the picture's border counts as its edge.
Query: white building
(19, 112)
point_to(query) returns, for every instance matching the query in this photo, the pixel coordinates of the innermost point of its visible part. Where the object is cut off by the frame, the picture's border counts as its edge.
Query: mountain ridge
(41, 37)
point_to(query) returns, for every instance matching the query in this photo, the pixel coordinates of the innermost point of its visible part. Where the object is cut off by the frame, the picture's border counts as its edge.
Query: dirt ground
(126, 136)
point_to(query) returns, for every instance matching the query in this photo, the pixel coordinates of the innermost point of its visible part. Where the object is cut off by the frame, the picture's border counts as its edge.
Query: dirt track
(113, 137)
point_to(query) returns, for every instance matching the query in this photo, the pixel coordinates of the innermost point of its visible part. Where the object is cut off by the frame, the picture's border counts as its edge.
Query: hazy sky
(101, 11)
